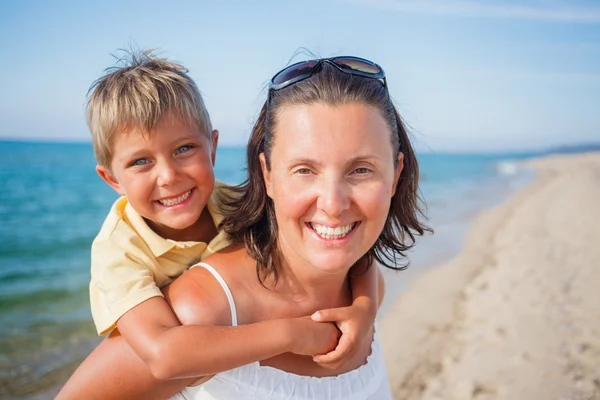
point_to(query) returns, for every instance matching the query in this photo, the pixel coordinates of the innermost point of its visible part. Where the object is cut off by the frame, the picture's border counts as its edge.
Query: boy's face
(167, 175)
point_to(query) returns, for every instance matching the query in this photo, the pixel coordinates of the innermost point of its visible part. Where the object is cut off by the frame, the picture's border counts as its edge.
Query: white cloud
(559, 11)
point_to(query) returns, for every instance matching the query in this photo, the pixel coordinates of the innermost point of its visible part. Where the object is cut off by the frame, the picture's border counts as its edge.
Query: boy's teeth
(327, 232)
(175, 200)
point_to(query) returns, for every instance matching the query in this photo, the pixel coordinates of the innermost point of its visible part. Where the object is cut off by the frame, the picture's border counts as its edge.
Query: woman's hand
(311, 338)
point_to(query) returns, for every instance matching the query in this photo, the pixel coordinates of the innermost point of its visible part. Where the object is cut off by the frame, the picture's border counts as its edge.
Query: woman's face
(332, 178)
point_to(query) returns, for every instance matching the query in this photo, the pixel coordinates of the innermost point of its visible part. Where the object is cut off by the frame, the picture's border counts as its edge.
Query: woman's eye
(185, 148)
(303, 171)
(362, 171)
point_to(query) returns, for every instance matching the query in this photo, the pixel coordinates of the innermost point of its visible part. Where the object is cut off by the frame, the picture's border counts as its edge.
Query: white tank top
(255, 381)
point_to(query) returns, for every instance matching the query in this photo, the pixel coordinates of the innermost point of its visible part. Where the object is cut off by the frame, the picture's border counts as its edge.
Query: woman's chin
(334, 264)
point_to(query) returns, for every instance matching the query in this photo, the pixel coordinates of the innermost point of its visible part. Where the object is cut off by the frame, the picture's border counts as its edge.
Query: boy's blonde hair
(138, 94)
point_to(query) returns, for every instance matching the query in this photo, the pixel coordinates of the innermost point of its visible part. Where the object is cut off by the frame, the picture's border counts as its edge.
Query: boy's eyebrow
(128, 156)
(186, 138)
(137, 153)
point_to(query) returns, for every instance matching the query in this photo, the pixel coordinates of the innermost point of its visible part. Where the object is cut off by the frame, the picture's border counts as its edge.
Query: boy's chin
(175, 225)
(180, 225)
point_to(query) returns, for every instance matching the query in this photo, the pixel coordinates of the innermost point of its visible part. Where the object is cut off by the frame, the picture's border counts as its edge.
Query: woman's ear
(398, 171)
(266, 174)
(109, 178)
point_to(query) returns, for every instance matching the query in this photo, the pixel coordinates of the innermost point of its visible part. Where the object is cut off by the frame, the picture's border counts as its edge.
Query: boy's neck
(203, 230)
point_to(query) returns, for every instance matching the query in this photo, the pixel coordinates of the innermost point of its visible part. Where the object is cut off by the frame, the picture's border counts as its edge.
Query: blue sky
(466, 75)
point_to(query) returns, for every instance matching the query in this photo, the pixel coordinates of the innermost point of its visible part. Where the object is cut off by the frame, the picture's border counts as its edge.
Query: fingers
(343, 352)
(332, 315)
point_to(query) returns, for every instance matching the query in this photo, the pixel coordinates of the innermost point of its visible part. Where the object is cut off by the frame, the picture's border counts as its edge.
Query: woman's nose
(333, 197)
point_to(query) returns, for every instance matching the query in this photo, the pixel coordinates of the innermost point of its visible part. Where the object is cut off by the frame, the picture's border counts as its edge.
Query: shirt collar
(157, 244)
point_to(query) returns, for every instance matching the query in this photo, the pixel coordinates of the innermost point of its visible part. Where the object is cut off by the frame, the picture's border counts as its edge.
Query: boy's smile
(167, 175)
(175, 200)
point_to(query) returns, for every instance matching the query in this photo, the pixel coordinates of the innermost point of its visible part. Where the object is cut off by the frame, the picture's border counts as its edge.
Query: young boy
(155, 146)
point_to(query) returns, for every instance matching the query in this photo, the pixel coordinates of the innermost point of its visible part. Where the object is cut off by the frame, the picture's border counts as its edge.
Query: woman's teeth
(327, 232)
(175, 200)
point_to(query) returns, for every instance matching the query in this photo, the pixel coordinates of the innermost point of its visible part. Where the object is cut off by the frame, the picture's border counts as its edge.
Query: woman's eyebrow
(304, 160)
(315, 162)
(365, 157)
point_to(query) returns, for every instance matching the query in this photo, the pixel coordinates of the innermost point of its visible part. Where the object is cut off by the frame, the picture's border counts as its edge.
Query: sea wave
(13, 301)
(507, 167)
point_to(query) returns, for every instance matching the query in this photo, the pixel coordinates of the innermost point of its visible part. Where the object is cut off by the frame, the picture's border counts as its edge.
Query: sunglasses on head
(305, 69)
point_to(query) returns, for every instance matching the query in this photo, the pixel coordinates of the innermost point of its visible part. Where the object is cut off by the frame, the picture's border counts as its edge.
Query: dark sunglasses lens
(294, 71)
(357, 64)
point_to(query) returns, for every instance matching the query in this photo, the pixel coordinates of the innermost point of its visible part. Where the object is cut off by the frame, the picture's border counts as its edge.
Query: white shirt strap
(223, 284)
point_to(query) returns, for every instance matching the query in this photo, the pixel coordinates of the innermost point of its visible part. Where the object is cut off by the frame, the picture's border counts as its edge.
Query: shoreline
(412, 361)
(513, 315)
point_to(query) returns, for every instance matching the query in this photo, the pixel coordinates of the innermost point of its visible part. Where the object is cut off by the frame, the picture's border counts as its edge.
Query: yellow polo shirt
(130, 262)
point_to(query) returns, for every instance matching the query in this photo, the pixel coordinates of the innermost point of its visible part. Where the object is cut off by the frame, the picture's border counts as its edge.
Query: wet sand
(516, 315)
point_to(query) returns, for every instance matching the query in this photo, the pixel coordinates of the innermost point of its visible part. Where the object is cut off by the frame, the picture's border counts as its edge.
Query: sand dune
(517, 314)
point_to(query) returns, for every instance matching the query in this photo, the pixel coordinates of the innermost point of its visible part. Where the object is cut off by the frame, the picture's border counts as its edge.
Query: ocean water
(53, 204)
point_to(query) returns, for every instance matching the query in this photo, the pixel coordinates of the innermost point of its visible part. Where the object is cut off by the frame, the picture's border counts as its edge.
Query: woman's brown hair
(250, 213)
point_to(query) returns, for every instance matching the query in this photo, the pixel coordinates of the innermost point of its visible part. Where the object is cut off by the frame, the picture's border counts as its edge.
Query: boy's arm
(115, 371)
(199, 347)
(355, 321)
(123, 289)
(380, 287)
(171, 350)
(368, 289)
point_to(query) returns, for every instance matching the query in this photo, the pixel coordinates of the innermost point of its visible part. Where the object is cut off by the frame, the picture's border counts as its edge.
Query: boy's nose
(333, 198)
(167, 174)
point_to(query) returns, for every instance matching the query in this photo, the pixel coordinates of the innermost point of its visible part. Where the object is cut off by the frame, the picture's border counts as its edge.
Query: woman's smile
(331, 206)
(333, 234)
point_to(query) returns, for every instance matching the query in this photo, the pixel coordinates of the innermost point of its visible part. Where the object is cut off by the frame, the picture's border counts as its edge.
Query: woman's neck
(310, 288)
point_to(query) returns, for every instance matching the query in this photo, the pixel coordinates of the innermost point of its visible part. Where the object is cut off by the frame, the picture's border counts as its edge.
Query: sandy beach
(516, 315)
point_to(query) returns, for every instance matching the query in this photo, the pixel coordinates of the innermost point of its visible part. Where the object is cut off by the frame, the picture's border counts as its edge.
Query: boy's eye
(185, 148)
(139, 162)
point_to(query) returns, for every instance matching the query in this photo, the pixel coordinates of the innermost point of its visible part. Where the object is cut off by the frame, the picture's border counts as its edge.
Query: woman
(332, 181)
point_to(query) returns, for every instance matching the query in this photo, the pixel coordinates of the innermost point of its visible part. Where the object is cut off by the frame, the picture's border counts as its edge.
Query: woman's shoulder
(222, 258)
(198, 298)
(232, 263)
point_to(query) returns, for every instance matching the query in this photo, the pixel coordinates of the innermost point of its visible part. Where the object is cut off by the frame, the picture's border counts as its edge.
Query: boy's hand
(354, 322)
(310, 337)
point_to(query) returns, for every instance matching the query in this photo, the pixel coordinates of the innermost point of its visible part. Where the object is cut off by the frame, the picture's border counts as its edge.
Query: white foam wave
(507, 167)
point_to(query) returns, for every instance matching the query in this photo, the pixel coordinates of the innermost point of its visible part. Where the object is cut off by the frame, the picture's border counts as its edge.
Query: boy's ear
(266, 174)
(398, 171)
(109, 178)
(215, 141)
